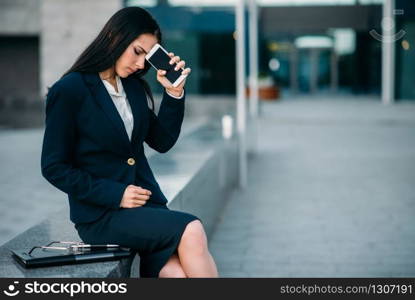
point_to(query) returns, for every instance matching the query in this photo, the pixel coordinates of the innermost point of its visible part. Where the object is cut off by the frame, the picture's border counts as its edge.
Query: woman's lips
(132, 70)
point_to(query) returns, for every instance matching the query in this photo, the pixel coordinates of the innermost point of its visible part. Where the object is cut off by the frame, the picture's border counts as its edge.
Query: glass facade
(405, 52)
(310, 55)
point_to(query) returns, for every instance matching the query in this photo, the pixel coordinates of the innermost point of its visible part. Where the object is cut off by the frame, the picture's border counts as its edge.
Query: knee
(172, 271)
(194, 237)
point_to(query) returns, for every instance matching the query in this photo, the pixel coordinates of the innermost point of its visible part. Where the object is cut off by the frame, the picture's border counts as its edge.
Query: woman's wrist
(176, 92)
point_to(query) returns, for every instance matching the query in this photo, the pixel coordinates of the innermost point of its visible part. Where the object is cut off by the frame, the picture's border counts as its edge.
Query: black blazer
(86, 151)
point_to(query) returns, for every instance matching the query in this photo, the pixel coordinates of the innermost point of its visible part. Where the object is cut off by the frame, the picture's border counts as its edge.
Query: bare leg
(194, 255)
(172, 269)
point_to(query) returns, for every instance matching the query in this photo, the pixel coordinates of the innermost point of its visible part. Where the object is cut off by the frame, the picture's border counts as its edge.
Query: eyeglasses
(73, 247)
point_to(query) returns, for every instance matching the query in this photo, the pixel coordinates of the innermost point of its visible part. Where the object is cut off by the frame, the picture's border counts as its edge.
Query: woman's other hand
(134, 196)
(176, 91)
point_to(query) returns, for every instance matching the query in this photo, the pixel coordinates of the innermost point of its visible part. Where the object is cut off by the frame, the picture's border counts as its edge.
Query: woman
(97, 119)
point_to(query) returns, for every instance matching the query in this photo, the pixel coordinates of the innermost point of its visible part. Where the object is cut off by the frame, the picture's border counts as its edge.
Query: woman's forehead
(146, 41)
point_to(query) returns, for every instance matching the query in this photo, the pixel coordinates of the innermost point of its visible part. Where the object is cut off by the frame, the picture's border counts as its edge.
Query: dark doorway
(19, 58)
(217, 63)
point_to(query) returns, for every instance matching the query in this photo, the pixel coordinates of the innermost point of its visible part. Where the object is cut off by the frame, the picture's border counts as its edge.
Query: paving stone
(330, 193)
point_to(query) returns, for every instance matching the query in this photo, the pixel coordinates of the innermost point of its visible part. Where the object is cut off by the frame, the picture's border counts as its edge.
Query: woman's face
(133, 58)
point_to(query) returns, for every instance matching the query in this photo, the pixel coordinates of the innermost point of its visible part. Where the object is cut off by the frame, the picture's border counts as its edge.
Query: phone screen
(160, 60)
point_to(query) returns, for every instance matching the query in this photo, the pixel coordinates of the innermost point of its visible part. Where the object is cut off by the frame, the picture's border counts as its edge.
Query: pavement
(330, 193)
(26, 197)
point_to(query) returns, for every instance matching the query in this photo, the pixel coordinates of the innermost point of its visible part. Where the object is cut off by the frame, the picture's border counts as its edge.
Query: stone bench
(196, 175)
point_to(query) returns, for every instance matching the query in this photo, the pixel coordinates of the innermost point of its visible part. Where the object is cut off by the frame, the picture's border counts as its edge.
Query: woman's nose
(140, 63)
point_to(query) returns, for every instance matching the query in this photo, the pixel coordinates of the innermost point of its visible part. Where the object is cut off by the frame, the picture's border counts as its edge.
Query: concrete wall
(19, 17)
(67, 28)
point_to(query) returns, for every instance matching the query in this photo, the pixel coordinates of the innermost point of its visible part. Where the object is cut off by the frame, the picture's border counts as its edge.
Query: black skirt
(153, 230)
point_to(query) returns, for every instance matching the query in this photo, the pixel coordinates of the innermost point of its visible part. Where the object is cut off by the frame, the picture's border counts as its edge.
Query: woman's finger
(186, 71)
(161, 73)
(145, 192)
(139, 202)
(141, 197)
(171, 54)
(135, 188)
(136, 202)
(163, 80)
(180, 65)
(141, 190)
(175, 59)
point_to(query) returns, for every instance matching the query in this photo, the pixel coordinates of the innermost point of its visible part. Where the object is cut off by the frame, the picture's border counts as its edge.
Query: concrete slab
(330, 193)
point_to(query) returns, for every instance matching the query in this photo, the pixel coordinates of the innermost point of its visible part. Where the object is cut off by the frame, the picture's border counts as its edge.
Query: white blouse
(121, 103)
(123, 106)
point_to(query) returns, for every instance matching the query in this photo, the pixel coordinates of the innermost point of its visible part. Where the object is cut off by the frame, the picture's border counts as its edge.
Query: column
(388, 53)
(240, 91)
(253, 78)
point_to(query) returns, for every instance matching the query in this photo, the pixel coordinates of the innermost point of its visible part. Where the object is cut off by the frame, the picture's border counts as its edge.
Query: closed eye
(137, 52)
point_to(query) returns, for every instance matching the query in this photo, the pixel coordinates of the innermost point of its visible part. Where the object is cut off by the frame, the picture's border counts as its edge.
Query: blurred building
(40, 40)
(405, 52)
(19, 52)
(305, 47)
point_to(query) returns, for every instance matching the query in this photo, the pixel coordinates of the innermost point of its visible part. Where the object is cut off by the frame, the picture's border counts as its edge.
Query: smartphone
(158, 57)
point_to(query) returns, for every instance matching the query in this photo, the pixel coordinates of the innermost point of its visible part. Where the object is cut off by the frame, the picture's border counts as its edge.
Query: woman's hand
(134, 196)
(176, 91)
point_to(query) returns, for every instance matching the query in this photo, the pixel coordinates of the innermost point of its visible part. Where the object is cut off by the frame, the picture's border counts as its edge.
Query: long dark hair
(116, 35)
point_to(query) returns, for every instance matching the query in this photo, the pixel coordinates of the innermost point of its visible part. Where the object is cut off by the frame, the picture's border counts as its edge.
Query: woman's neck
(108, 74)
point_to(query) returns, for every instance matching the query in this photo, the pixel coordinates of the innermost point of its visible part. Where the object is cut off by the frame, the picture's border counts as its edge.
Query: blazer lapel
(138, 102)
(103, 99)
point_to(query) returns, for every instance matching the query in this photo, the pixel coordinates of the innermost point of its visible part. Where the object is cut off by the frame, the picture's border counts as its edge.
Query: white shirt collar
(111, 89)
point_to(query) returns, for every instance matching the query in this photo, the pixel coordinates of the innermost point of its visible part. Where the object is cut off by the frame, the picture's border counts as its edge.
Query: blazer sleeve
(57, 154)
(164, 129)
